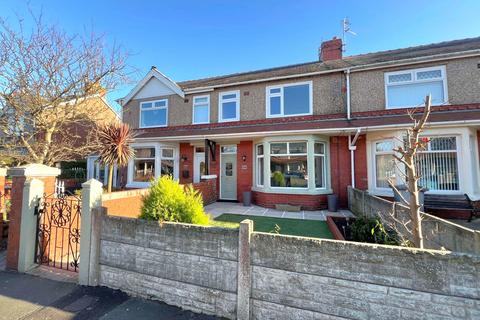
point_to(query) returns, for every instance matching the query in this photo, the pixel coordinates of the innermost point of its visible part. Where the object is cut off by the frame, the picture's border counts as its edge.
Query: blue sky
(197, 39)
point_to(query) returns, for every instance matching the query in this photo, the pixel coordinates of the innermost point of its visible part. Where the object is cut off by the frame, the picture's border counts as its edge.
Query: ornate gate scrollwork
(58, 231)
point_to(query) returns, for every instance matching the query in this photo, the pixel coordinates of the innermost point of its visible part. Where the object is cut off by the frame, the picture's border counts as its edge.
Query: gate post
(21, 239)
(91, 198)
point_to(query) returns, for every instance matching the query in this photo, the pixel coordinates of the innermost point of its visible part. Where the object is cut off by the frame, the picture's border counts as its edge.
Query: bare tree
(407, 155)
(48, 80)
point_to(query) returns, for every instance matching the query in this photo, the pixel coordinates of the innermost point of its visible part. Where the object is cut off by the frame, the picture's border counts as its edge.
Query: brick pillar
(3, 173)
(19, 176)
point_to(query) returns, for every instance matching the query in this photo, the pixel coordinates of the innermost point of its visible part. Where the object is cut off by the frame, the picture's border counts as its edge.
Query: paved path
(218, 208)
(29, 297)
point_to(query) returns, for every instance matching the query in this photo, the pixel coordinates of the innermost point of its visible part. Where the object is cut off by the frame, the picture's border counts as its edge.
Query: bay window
(201, 109)
(289, 100)
(408, 88)
(154, 113)
(437, 164)
(292, 166)
(288, 165)
(229, 106)
(144, 164)
(151, 161)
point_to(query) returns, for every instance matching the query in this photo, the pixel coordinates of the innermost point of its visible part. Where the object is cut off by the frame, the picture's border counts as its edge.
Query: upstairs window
(153, 113)
(289, 100)
(229, 106)
(201, 109)
(408, 88)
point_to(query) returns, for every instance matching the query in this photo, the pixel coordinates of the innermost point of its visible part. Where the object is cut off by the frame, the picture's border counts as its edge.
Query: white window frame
(154, 108)
(194, 104)
(131, 173)
(375, 153)
(158, 162)
(324, 165)
(413, 73)
(268, 95)
(287, 155)
(457, 151)
(257, 171)
(221, 101)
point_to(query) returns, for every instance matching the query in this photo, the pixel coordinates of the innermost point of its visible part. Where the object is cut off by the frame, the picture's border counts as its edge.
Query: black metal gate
(58, 231)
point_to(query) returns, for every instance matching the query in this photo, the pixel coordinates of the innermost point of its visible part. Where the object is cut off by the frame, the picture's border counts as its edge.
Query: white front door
(199, 166)
(228, 173)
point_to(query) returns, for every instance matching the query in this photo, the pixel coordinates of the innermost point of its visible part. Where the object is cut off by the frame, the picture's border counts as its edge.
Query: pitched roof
(446, 47)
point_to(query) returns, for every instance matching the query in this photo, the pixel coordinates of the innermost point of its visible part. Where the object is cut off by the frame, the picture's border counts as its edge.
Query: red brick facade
(244, 168)
(186, 163)
(16, 216)
(306, 201)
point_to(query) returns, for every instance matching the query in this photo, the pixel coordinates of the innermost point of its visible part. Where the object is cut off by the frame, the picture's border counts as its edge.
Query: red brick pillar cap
(3, 172)
(34, 170)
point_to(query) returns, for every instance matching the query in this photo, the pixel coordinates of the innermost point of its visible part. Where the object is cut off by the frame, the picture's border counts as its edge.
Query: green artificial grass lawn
(294, 227)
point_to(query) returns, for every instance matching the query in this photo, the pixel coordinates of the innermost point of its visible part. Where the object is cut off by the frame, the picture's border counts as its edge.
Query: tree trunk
(414, 203)
(110, 178)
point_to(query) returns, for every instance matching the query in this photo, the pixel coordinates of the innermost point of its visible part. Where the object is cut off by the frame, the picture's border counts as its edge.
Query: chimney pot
(331, 50)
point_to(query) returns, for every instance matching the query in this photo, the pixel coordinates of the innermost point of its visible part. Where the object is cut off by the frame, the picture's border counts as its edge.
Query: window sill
(290, 115)
(159, 126)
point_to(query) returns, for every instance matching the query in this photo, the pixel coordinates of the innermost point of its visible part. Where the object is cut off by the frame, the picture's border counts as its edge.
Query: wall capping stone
(34, 170)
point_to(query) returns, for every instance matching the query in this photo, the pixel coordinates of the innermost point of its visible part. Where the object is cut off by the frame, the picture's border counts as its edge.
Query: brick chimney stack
(331, 50)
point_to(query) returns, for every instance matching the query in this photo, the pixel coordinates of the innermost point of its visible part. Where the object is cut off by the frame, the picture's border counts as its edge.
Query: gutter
(365, 67)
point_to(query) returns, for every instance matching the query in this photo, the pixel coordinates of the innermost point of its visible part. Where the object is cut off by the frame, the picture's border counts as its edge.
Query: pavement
(24, 296)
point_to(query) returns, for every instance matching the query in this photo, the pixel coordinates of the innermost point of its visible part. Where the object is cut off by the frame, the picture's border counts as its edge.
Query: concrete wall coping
(3, 172)
(34, 170)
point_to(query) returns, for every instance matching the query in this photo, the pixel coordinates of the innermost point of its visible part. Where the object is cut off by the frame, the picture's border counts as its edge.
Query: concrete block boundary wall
(438, 233)
(241, 274)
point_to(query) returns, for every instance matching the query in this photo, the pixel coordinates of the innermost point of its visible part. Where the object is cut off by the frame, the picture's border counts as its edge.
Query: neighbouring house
(295, 134)
(74, 134)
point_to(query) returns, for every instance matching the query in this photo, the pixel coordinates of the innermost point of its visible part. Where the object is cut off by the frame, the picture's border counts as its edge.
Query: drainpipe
(352, 147)
(347, 75)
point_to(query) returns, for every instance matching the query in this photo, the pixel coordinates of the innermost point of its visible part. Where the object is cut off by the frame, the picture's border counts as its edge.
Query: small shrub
(365, 229)
(168, 200)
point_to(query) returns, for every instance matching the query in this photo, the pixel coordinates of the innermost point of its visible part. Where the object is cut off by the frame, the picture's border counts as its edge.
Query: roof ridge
(435, 45)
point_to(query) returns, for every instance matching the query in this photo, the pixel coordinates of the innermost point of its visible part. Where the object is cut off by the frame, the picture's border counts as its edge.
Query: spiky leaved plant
(115, 139)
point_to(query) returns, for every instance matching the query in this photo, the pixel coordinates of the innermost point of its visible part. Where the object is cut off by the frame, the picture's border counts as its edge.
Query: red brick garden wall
(208, 189)
(307, 202)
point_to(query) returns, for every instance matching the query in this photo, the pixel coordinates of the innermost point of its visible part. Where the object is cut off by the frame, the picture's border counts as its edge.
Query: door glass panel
(228, 169)
(229, 149)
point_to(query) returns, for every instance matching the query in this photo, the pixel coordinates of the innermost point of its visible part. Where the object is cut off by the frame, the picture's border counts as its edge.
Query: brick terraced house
(295, 134)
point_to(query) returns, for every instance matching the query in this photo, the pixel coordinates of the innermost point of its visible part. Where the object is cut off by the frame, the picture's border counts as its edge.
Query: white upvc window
(320, 165)
(289, 164)
(292, 99)
(260, 173)
(201, 109)
(384, 168)
(408, 88)
(144, 164)
(229, 106)
(154, 113)
(437, 164)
